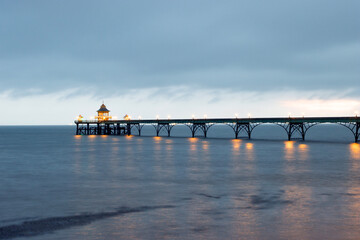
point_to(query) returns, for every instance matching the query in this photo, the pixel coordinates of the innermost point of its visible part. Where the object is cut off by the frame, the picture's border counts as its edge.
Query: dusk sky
(59, 59)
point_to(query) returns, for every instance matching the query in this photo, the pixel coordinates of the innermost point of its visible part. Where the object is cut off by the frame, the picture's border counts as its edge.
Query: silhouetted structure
(239, 125)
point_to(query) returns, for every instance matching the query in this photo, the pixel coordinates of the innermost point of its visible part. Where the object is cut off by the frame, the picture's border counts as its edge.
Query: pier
(242, 127)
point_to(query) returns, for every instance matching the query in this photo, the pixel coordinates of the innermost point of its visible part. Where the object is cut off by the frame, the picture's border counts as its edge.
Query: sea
(56, 185)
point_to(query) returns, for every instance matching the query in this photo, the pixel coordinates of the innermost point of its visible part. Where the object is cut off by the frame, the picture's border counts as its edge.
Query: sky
(59, 59)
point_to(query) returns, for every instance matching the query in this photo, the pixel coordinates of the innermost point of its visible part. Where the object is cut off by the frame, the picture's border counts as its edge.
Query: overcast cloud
(240, 46)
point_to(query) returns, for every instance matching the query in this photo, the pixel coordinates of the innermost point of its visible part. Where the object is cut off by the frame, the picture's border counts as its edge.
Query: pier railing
(239, 125)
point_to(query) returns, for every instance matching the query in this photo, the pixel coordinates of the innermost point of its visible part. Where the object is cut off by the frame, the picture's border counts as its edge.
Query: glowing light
(205, 145)
(249, 146)
(356, 113)
(289, 114)
(193, 116)
(303, 146)
(127, 117)
(169, 116)
(303, 115)
(139, 117)
(355, 151)
(303, 151)
(193, 145)
(236, 115)
(289, 150)
(205, 116)
(249, 115)
(289, 144)
(250, 151)
(79, 118)
(157, 116)
(236, 144)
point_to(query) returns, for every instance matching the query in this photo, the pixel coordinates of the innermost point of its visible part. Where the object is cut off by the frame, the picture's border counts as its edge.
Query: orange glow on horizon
(316, 106)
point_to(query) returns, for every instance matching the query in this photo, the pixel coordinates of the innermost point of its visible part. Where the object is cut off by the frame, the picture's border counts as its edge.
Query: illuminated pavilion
(103, 113)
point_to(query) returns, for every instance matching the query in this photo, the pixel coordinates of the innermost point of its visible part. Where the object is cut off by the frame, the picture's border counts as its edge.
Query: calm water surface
(54, 185)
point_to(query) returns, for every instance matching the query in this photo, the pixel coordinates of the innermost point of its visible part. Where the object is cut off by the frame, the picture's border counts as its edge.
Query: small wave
(46, 225)
(209, 196)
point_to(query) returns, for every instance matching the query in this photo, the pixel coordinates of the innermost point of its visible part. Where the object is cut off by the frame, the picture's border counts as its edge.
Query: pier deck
(239, 125)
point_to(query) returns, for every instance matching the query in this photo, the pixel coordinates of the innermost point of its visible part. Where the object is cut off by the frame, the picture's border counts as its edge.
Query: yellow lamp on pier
(80, 118)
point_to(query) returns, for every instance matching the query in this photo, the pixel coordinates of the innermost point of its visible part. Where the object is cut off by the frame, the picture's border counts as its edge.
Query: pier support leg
(357, 133)
(168, 128)
(117, 130)
(193, 130)
(236, 131)
(128, 129)
(139, 127)
(87, 129)
(301, 128)
(205, 128)
(290, 131)
(77, 129)
(193, 127)
(98, 131)
(249, 130)
(158, 128)
(247, 127)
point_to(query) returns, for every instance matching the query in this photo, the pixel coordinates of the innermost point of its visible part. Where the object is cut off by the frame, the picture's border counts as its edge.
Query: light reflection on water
(193, 143)
(219, 188)
(303, 150)
(355, 151)
(289, 150)
(296, 215)
(250, 151)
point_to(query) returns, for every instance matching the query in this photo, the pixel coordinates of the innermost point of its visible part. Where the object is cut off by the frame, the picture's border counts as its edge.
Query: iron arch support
(354, 127)
(193, 128)
(301, 128)
(139, 127)
(247, 128)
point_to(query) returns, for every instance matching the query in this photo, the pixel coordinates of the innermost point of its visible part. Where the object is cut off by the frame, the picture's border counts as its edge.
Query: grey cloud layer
(248, 45)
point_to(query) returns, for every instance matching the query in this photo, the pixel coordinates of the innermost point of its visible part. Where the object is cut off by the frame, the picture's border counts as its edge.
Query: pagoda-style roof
(103, 108)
